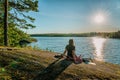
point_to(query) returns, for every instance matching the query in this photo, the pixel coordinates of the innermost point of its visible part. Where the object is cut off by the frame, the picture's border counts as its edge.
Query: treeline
(91, 34)
(63, 35)
(111, 35)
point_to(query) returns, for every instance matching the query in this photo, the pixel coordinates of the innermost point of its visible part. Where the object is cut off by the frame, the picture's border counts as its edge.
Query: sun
(99, 18)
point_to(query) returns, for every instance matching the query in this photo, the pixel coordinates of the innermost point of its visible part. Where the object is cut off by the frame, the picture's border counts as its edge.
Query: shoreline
(36, 64)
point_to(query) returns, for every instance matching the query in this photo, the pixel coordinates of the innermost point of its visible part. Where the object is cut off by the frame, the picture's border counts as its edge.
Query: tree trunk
(5, 22)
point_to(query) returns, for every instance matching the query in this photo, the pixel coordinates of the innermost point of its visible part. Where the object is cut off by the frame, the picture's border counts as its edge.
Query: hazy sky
(76, 16)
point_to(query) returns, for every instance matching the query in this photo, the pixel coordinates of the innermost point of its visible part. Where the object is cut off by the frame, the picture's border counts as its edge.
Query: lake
(101, 49)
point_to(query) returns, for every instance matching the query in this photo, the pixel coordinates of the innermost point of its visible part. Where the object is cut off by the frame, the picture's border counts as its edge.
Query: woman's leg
(77, 59)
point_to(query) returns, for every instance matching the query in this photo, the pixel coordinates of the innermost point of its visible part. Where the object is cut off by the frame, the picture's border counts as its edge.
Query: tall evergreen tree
(19, 8)
(17, 15)
(5, 22)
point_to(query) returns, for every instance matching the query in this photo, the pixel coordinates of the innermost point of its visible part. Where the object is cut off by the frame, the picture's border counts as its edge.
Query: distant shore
(90, 34)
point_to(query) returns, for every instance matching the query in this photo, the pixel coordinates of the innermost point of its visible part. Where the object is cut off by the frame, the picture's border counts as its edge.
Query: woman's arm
(74, 55)
(64, 52)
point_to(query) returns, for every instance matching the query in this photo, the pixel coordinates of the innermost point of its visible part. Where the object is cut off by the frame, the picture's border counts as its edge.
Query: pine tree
(17, 15)
(5, 22)
(19, 8)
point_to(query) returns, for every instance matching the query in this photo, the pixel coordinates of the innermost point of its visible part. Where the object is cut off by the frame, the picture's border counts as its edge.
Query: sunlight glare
(98, 44)
(99, 18)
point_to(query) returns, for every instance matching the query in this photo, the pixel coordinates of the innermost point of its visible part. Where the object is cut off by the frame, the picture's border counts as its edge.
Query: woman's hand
(62, 55)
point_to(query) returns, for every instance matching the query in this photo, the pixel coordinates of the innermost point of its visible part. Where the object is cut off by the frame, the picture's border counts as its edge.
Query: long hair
(71, 42)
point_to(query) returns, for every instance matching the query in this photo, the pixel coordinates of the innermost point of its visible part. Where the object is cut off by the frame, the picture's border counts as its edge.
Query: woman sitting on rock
(70, 50)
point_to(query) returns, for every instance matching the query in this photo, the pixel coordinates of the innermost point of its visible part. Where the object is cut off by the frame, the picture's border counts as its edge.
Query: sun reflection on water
(98, 44)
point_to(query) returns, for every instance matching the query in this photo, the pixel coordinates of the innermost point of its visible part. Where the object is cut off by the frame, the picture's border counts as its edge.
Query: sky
(76, 16)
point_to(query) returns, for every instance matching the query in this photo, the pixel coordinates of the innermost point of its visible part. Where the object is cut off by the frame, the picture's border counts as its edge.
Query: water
(99, 48)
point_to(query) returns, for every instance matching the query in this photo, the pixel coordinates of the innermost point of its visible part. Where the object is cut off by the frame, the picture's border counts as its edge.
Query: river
(101, 49)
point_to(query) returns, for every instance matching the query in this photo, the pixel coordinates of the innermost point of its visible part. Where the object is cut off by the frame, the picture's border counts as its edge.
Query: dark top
(69, 49)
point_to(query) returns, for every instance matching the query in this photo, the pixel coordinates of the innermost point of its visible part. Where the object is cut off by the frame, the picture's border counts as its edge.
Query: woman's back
(69, 49)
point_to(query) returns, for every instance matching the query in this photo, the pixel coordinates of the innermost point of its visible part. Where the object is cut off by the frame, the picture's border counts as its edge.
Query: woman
(70, 50)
